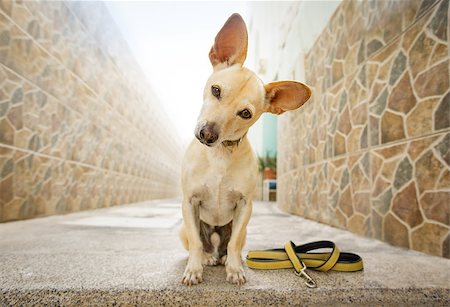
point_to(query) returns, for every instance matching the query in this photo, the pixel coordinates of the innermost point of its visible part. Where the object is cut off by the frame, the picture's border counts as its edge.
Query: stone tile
(374, 135)
(419, 53)
(379, 104)
(6, 186)
(373, 46)
(398, 67)
(356, 224)
(364, 137)
(6, 132)
(438, 24)
(424, 6)
(436, 206)
(440, 52)
(412, 33)
(406, 206)
(350, 61)
(443, 148)
(446, 247)
(386, 53)
(354, 139)
(377, 225)
(383, 203)
(428, 238)
(344, 124)
(427, 169)
(402, 98)
(444, 180)
(384, 71)
(375, 164)
(339, 145)
(403, 173)
(337, 72)
(359, 114)
(380, 185)
(345, 202)
(391, 24)
(420, 120)
(395, 232)
(416, 148)
(441, 115)
(392, 128)
(389, 168)
(359, 181)
(434, 81)
(361, 203)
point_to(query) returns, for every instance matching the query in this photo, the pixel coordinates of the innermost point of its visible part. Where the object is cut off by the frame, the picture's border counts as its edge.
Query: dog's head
(234, 97)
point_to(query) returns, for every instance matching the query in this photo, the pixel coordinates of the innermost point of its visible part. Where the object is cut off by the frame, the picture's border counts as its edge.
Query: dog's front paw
(192, 275)
(235, 274)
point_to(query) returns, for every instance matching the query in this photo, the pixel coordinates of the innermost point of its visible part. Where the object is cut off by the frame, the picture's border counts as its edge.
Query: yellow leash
(300, 257)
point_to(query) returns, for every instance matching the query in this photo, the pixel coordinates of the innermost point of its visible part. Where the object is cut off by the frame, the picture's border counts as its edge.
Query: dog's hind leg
(211, 257)
(211, 241)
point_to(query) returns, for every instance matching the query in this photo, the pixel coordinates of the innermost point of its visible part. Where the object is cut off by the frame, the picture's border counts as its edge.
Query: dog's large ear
(230, 45)
(282, 96)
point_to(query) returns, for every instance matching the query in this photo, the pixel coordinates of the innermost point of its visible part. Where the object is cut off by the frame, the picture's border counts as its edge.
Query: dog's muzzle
(207, 134)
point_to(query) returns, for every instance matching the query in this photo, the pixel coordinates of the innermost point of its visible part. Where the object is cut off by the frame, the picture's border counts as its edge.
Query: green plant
(267, 161)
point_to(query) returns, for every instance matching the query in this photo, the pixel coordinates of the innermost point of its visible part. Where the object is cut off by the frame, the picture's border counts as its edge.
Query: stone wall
(370, 151)
(79, 126)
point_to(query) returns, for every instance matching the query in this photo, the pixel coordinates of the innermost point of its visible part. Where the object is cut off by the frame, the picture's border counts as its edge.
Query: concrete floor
(131, 255)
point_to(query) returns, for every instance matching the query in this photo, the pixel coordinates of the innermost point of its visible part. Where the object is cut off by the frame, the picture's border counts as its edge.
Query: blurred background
(98, 101)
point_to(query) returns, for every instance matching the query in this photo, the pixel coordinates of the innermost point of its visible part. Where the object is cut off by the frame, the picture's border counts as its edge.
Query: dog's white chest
(218, 205)
(218, 181)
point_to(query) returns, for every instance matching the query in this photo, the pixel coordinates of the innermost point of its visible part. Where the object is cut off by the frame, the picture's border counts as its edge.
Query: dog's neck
(231, 145)
(228, 149)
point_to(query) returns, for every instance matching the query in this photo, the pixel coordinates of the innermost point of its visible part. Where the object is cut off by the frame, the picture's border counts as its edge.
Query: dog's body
(219, 169)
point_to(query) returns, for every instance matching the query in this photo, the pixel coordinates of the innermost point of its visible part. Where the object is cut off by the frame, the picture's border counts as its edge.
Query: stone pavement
(131, 255)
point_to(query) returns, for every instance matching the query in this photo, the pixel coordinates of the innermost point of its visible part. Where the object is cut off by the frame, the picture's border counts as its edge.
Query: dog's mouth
(206, 144)
(226, 143)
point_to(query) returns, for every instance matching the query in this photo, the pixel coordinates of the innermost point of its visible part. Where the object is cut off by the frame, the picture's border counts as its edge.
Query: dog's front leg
(233, 264)
(194, 269)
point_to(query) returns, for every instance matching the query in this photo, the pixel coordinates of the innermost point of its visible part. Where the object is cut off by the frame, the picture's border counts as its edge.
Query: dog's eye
(245, 114)
(215, 90)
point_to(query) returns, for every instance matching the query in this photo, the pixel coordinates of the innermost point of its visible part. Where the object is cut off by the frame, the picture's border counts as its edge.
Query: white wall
(280, 33)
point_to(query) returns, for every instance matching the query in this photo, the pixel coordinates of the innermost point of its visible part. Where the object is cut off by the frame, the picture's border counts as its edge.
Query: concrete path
(131, 255)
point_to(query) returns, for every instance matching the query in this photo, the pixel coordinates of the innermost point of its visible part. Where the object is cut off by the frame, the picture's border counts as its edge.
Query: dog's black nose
(208, 134)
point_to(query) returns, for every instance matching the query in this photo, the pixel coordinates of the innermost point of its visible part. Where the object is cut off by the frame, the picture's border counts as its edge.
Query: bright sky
(171, 41)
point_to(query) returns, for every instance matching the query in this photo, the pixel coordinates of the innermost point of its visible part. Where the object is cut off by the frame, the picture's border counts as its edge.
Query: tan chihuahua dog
(219, 171)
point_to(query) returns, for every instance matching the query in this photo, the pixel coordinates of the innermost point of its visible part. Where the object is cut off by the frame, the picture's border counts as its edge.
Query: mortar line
(371, 149)
(71, 161)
